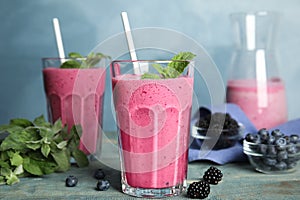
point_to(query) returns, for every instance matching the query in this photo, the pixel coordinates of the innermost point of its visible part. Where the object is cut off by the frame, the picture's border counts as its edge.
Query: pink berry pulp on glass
(153, 119)
(76, 96)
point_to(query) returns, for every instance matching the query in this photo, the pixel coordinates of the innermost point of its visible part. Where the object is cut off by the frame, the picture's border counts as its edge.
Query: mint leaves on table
(173, 69)
(80, 62)
(37, 148)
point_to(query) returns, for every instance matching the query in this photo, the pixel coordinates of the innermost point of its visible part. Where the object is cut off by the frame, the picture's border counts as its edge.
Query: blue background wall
(26, 35)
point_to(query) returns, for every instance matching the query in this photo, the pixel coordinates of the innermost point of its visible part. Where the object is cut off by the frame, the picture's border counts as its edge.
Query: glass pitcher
(253, 79)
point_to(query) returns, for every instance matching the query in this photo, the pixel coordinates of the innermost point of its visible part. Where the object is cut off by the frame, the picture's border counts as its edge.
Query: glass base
(153, 192)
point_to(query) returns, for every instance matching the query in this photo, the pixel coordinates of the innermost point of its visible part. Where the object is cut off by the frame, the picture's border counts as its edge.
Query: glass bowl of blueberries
(218, 130)
(272, 152)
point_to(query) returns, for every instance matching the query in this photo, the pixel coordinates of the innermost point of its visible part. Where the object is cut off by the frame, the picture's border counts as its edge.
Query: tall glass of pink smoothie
(76, 97)
(153, 118)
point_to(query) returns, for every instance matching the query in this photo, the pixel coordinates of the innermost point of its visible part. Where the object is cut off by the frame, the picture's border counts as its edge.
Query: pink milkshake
(263, 102)
(76, 96)
(153, 118)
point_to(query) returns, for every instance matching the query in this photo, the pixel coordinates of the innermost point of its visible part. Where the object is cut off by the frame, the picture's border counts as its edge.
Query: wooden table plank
(240, 181)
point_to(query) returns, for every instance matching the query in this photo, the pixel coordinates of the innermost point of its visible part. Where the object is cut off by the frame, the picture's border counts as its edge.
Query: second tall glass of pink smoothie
(75, 96)
(153, 118)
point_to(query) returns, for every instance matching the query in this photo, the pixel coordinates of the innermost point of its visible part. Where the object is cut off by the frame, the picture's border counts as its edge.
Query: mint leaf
(71, 64)
(62, 158)
(80, 62)
(19, 170)
(4, 164)
(21, 122)
(150, 76)
(39, 167)
(40, 121)
(45, 149)
(57, 126)
(16, 160)
(2, 180)
(37, 148)
(9, 176)
(75, 55)
(62, 144)
(76, 153)
(182, 56)
(92, 59)
(34, 145)
(174, 68)
(80, 158)
(17, 140)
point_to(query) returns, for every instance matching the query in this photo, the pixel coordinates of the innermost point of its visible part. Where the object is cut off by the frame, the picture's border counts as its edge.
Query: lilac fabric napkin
(234, 153)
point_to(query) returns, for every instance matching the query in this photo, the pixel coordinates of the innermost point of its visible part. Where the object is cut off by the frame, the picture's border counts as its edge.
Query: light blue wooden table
(240, 181)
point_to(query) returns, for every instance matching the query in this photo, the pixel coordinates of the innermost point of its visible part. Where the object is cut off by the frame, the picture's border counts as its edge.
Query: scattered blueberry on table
(71, 181)
(102, 185)
(99, 174)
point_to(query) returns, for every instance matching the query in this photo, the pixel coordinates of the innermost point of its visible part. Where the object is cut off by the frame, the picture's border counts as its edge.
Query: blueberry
(270, 161)
(280, 143)
(277, 133)
(282, 155)
(99, 174)
(249, 137)
(271, 139)
(257, 139)
(271, 150)
(294, 139)
(264, 134)
(102, 185)
(281, 165)
(71, 181)
(263, 148)
(292, 149)
(291, 165)
(287, 138)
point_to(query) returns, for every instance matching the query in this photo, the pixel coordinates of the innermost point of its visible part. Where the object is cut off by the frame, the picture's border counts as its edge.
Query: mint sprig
(80, 62)
(37, 148)
(173, 69)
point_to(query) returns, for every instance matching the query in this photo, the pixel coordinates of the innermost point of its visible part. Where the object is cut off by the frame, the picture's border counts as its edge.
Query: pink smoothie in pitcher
(153, 118)
(76, 96)
(263, 103)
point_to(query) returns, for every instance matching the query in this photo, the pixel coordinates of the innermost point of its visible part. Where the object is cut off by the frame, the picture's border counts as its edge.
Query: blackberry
(221, 120)
(198, 190)
(220, 125)
(213, 175)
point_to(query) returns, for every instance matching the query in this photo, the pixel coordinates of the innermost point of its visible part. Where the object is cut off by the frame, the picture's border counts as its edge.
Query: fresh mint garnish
(80, 62)
(37, 148)
(173, 69)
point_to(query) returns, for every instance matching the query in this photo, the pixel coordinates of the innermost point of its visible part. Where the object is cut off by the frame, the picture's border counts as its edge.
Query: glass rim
(261, 13)
(150, 61)
(65, 58)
